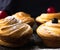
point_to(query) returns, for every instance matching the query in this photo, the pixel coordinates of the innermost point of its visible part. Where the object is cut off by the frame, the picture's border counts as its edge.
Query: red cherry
(51, 10)
(3, 14)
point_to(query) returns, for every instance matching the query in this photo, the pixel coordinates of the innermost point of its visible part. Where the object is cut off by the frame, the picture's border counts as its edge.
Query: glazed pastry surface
(47, 16)
(8, 21)
(49, 29)
(14, 32)
(50, 34)
(24, 17)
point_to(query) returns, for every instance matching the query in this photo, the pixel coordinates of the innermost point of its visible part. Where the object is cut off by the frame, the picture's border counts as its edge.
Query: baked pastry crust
(24, 17)
(46, 17)
(50, 33)
(14, 33)
(8, 21)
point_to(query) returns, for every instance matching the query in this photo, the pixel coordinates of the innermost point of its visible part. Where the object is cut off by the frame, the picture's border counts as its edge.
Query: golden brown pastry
(14, 33)
(24, 17)
(50, 33)
(46, 17)
(8, 21)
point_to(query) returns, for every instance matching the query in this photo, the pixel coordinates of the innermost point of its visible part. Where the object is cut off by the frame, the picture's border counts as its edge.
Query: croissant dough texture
(14, 33)
(50, 33)
(47, 16)
(24, 17)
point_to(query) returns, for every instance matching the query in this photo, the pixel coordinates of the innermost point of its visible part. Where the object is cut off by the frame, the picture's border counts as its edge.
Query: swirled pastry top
(24, 17)
(8, 21)
(15, 30)
(49, 29)
(12, 33)
(47, 16)
(9, 26)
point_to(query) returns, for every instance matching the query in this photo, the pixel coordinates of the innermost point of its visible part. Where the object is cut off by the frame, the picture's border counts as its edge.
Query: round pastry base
(51, 43)
(3, 43)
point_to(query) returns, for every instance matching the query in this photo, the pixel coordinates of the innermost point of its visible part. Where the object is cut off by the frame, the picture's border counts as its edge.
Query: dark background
(33, 7)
